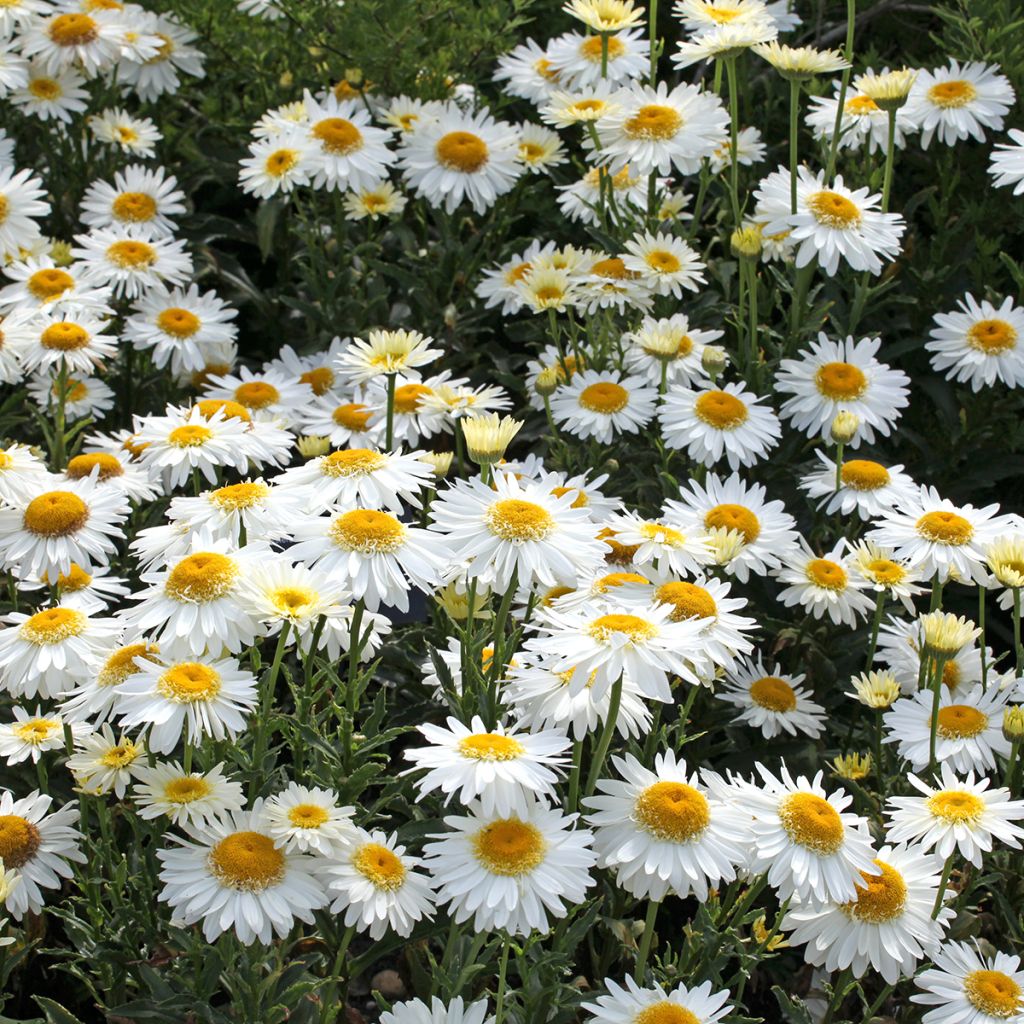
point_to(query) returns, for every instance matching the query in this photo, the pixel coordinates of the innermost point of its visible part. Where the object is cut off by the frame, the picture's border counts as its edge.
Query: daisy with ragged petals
(822, 585)
(22, 203)
(37, 845)
(159, 74)
(887, 925)
(378, 885)
(863, 122)
(186, 798)
(116, 127)
(713, 422)
(956, 815)
(900, 643)
(602, 405)
(383, 352)
(32, 733)
(969, 733)
(456, 1012)
(83, 396)
(968, 987)
(527, 73)
(139, 196)
(725, 39)
(661, 543)
(865, 486)
(831, 223)
(832, 377)
(279, 163)
(265, 394)
(511, 873)
(772, 701)
(21, 470)
(93, 41)
(959, 102)
(663, 832)
(37, 283)
(72, 338)
(251, 508)
(92, 697)
(114, 471)
(979, 345)
(106, 763)
(309, 820)
(230, 875)
(1007, 162)
(51, 96)
(670, 346)
(504, 769)
(668, 265)
(635, 1005)
(886, 576)
(577, 59)
(804, 837)
(131, 262)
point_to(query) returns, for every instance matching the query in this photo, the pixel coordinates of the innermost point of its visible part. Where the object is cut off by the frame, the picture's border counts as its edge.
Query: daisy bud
(354, 77)
(725, 544)
(310, 446)
(889, 90)
(1013, 723)
(1006, 560)
(876, 690)
(487, 437)
(60, 252)
(853, 766)
(454, 599)
(286, 80)
(845, 427)
(714, 360)
(451, 315)
(440, 462)
(547, 381)
(945, 635)
(746, 242)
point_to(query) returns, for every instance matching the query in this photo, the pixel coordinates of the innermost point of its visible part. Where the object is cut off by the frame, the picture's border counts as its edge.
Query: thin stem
(332, 1005)
(389, 435)
(941, 895)
(1017, 648)
(604, 74)
(838, 991)
(794, 109)
(851, 20)
(876, 622)
(936, 700)
(652, 24)
(734, 113)
(606, 738)
(266, 702)
(499, 1003)
(839, 466)
(574, 777)
(890, 157)
(981, 624)
(59, 416)
(752, 274)
(1011, 768)
(646, 938)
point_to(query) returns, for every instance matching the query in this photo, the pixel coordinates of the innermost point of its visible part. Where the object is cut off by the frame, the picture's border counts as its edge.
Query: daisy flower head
(876, 566)
(343, 421)
(38, 284)
(822, 585)
(413, 419)
(93, 696)
(37, 844)
(604, 15)
(800, 62)
(635, 1005)
(231, 876)
(380, 199)
(900, 645)
(864, 121)
(959, 102)
(504, 770)
(668, 265)
(581, 105)
(415, 1011)
(601, 405)
(669, 343)
(866, 487)
(516, 529)
(378, 885)
(199, 799)
(661, 543)
(772, 700)
(91, 41)
(303, 820)
(968, 987)
(607, 283)
(116, 471)
(51, 95)
(104, 762)
(579, 61)
(969, 733)
(266, 395)
(385, 352)
(1007, 162)
(877, 690)
(73, 339)
(698, 16)
(33, 733)
(21, 205)
(980, 344)
(461, 156)
(21, 469)
(888, 923)
(279, 162)
(83, 396)
(114, 126)
(831, 223)
(252, 507)
(498, 284)
(512, 872)
(527, 73)
(661, 130)
(132, 262)
(663, 831)
(750, 149)
(888, 89)
(716, 422)
(139, 197)
(725, 40)
(581, 200)
(540, 148)
(18, 13)
(159, 74)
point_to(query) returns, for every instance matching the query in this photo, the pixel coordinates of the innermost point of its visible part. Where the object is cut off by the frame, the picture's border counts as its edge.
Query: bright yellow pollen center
(280, 162)
(49, 283)
(604, 397)
(826, 574)
(409, 396)
(952, 95)
(190, 436)
(256, 394)
(734, 517)
(616, 579)
(247, 861)
(379, 865)
(860, 106)
(688, 600)
(73, 580)
(531, 151)
(45, 88)
(72, 30)
(842, 382)
(55, 514)
(352, 462)
(320, 379)
(635, 629)
(353, 416)
(121, 664)
(834, 210)
(590, 48)
(961, 721)
(864, 475)
(666, 1013)
(490, 746)
(773, 694)
(189, 683)
(82, 465)
(131, 255)
(945, 528)
(885, 571)
(307, 816)
(177, 322)
(186, 790)
(811, 821)
(994, 993)
(135, 207)
(368, 532)
(19, 840)
(35, 731)
(951, 675)
(581, 500)
(293, 600)
(53, 626)
(654, 122)
(880, 898)
(992, 337)
(239, 496)
(613, 267)
(338, 136)
(64, 336)
(518, 521)
(204, 576)
(509, 847)
(208, 407)
(124, 754)
(672, 811)
(721, 410)
(462, 151)
(663, 262)
(957, 807)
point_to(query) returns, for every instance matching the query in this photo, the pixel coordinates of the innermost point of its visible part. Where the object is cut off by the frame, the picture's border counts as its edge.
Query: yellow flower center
(665, 1013)
(951, 675)
(530, 152)
(55, 514)
(177, 322)
(121, 664)
(64, 336)
(320, 379)
(590, 48)
(961, 721)
(379, 865)
(945, 528)
(462, 151)
(509, 847)
(256, 394)
(354, 416)
(45, 88)
(75, 390)
(515, 520)
(190, 436)
(672, 811)
(53, 626)
(880, 898)
(952, 95)
(19, 840)
(734, 517)
(834, 210)
(120, 756)
(826, 574)
(247, 861)
(653, 122)
(75, 579)
(886, 572)
(127, 134)
(293, 601)
(368, 532)
(131, 255)
(993, 993)
(135, 207)
(721, 410)
(239, 496)
(490, 746)
(842, 382)
(190, 682)
(307, 816)
(773, 693)
(861, 106)
(164, 50)
(49, 283)
(688, 600)
(353, 462)
(204, 576)
(280, 162)
(35, 731)
(187, 789)
(615, 579)
(811, 821)
(864, 475)
(338, 136)
(604, 397)
(956, 807)
(409, 396)
(992, 337)
(580, 501)
(73, 30)
(664, 262)
(208, 407)
(612, 267)
(82, 465)
(635, 629)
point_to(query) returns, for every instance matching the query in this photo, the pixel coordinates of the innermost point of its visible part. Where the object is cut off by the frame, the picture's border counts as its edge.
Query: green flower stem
(604, 74)
(838, 992)
(59, 417)
(1011, 767)
(389, 435)
(652, 24)
(331, 1005)
(752, 274)
(794, 110)
(646, 938)
(890, 157)
(941, 895)
(876, 622)
(266, 703)
(574, 777)
(940, 664)
(506, 942)
(981, 623)
(1018, 650)
(734, 113)
(851, 21)
(606, 738)
(839, 465)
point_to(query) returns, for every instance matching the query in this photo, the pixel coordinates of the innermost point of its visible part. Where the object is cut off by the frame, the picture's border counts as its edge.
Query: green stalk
(59, 439)
(981, 623)
(499, 1004)
(266, 702)
(940, 896)
(876, 622)
(653, 26)
(940, 663)
(851, 19)
(890, 157)
(574, 777)
(389, 435)
(794, 109)
(752, 273)
(734, 113)
(838, 991)
(646, 939)
(1017, 648)
(606, 738)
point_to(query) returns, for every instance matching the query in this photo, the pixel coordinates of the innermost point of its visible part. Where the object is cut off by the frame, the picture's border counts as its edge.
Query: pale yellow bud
(845, 427)
(310, 446)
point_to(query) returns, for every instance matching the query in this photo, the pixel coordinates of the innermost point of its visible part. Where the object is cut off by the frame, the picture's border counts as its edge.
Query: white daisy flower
(668, 343)
(749, 147)
(668, 265)
(528, 72)
(540, 148)
(456, 1012)
(866, 487)
(265, 394)
(385, 352)
(21, 470)
(279, 162)
(21, 204)
(772, 700)
(374, 201)
(74, 339)
(92, 41)
(577, 60)
(32, 733)
(581, 200)
(56, 96)
(698, 16)
(104, 762)
(159, 74)
(116, 127)
(115, 471)
(303, 820)
(406, 113)
(601, 405)
(822, 585)
(199, 799)
(138, 196)
(252, 510)
(967, 987)
(377, 885)
(636, 1005)
(899, 649)
(16, 14)
(83, 397)
(132, 263)
(661, 543)
(511, 873)
(93, 696)
(876, 566)
(38, 283)
(864, 122)
(1006, 164)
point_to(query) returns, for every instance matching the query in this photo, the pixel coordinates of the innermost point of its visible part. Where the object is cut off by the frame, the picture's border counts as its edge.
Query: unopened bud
(713, 360)
(853, 766)
(1013, 723)
(286, 80)
(60, 253)
(746, 242)
(440, 462)
(845, 427)
(547, 381)
(310, 446)
(487, 437)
